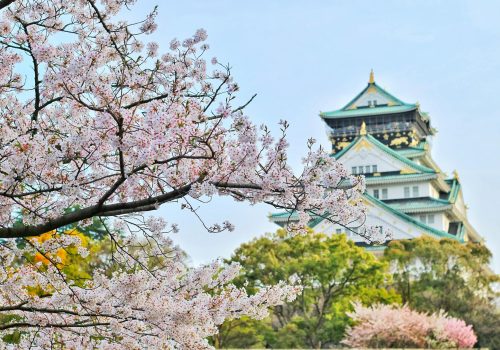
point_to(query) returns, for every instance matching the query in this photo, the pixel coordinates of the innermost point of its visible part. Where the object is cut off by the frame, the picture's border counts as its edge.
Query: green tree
(242, 333)
(433, 275)
(333, 273)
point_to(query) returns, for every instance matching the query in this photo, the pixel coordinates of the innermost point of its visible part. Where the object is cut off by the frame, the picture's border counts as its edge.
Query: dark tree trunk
(5, 3)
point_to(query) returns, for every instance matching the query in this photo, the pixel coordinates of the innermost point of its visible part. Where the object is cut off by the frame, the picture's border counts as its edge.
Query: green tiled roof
(387, 150)
(411, 152)
(400, 178)
(379, 90)
(419, 205)
(454, 191)
(284, 216)
(361, 112)
(349, 110)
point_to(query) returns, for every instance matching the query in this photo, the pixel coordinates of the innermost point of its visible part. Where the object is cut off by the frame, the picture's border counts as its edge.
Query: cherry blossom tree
(128, 307)
(96, 124)
(106, 125)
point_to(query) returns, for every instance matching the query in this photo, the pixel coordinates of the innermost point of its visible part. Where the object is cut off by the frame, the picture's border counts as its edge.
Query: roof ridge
(378, 89)
(380, 109)
(413, 199)
(398, 156)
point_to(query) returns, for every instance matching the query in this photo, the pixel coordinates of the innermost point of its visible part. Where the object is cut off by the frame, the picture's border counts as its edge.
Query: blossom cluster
(126, 306)
(400, 327)
(109, 124)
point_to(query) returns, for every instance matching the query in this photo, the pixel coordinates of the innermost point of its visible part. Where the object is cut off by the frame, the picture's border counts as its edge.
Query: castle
(389, 142)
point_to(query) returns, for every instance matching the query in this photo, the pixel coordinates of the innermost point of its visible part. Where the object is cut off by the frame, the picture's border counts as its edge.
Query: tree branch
(95, 210)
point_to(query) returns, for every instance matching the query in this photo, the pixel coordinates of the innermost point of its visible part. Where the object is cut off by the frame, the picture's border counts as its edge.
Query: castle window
(367, 169)
(374, 168)
(338, 231)
(430, 219)
(376, 193)
(384, 193)
(407, 192)
(423, 218)
(354, 170)
(415, 191)
(360, 170)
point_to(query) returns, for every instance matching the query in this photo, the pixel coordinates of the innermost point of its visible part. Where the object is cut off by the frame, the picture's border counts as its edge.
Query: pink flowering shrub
(391, 326)
(460, 333)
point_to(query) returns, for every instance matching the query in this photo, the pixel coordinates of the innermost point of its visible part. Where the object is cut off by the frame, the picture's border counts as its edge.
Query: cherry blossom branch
(93, 211)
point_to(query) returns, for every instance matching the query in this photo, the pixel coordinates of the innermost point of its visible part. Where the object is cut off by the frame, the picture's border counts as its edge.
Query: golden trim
(362, 144)
(407, 170)
(362, 131)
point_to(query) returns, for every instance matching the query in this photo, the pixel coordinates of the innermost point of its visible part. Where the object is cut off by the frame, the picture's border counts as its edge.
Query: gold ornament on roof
(455, 175)
(414, 142)
(342, 145)
(362, 131)
(372, 77)
(399, 141)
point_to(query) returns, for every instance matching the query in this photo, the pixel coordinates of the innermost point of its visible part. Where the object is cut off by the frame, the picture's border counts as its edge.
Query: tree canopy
(333, 273)
(433, 275)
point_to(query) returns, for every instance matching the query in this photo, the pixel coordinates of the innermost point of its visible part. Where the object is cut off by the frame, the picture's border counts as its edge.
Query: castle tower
(388, 141)
(391, 121)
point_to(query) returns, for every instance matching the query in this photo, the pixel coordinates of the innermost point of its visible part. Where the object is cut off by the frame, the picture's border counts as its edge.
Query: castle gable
(377, 158)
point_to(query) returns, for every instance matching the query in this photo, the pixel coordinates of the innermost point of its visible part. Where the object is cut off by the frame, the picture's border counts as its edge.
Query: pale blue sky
(301, 57)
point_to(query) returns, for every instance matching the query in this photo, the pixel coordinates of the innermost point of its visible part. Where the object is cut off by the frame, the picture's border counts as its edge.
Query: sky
(303, 57)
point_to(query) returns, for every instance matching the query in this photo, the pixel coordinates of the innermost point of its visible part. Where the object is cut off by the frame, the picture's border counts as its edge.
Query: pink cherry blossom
(169, 307)
(95, 126)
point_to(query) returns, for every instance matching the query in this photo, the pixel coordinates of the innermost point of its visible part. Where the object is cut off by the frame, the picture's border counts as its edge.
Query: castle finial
(455, 175)
(372, 78)
(362, 131)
